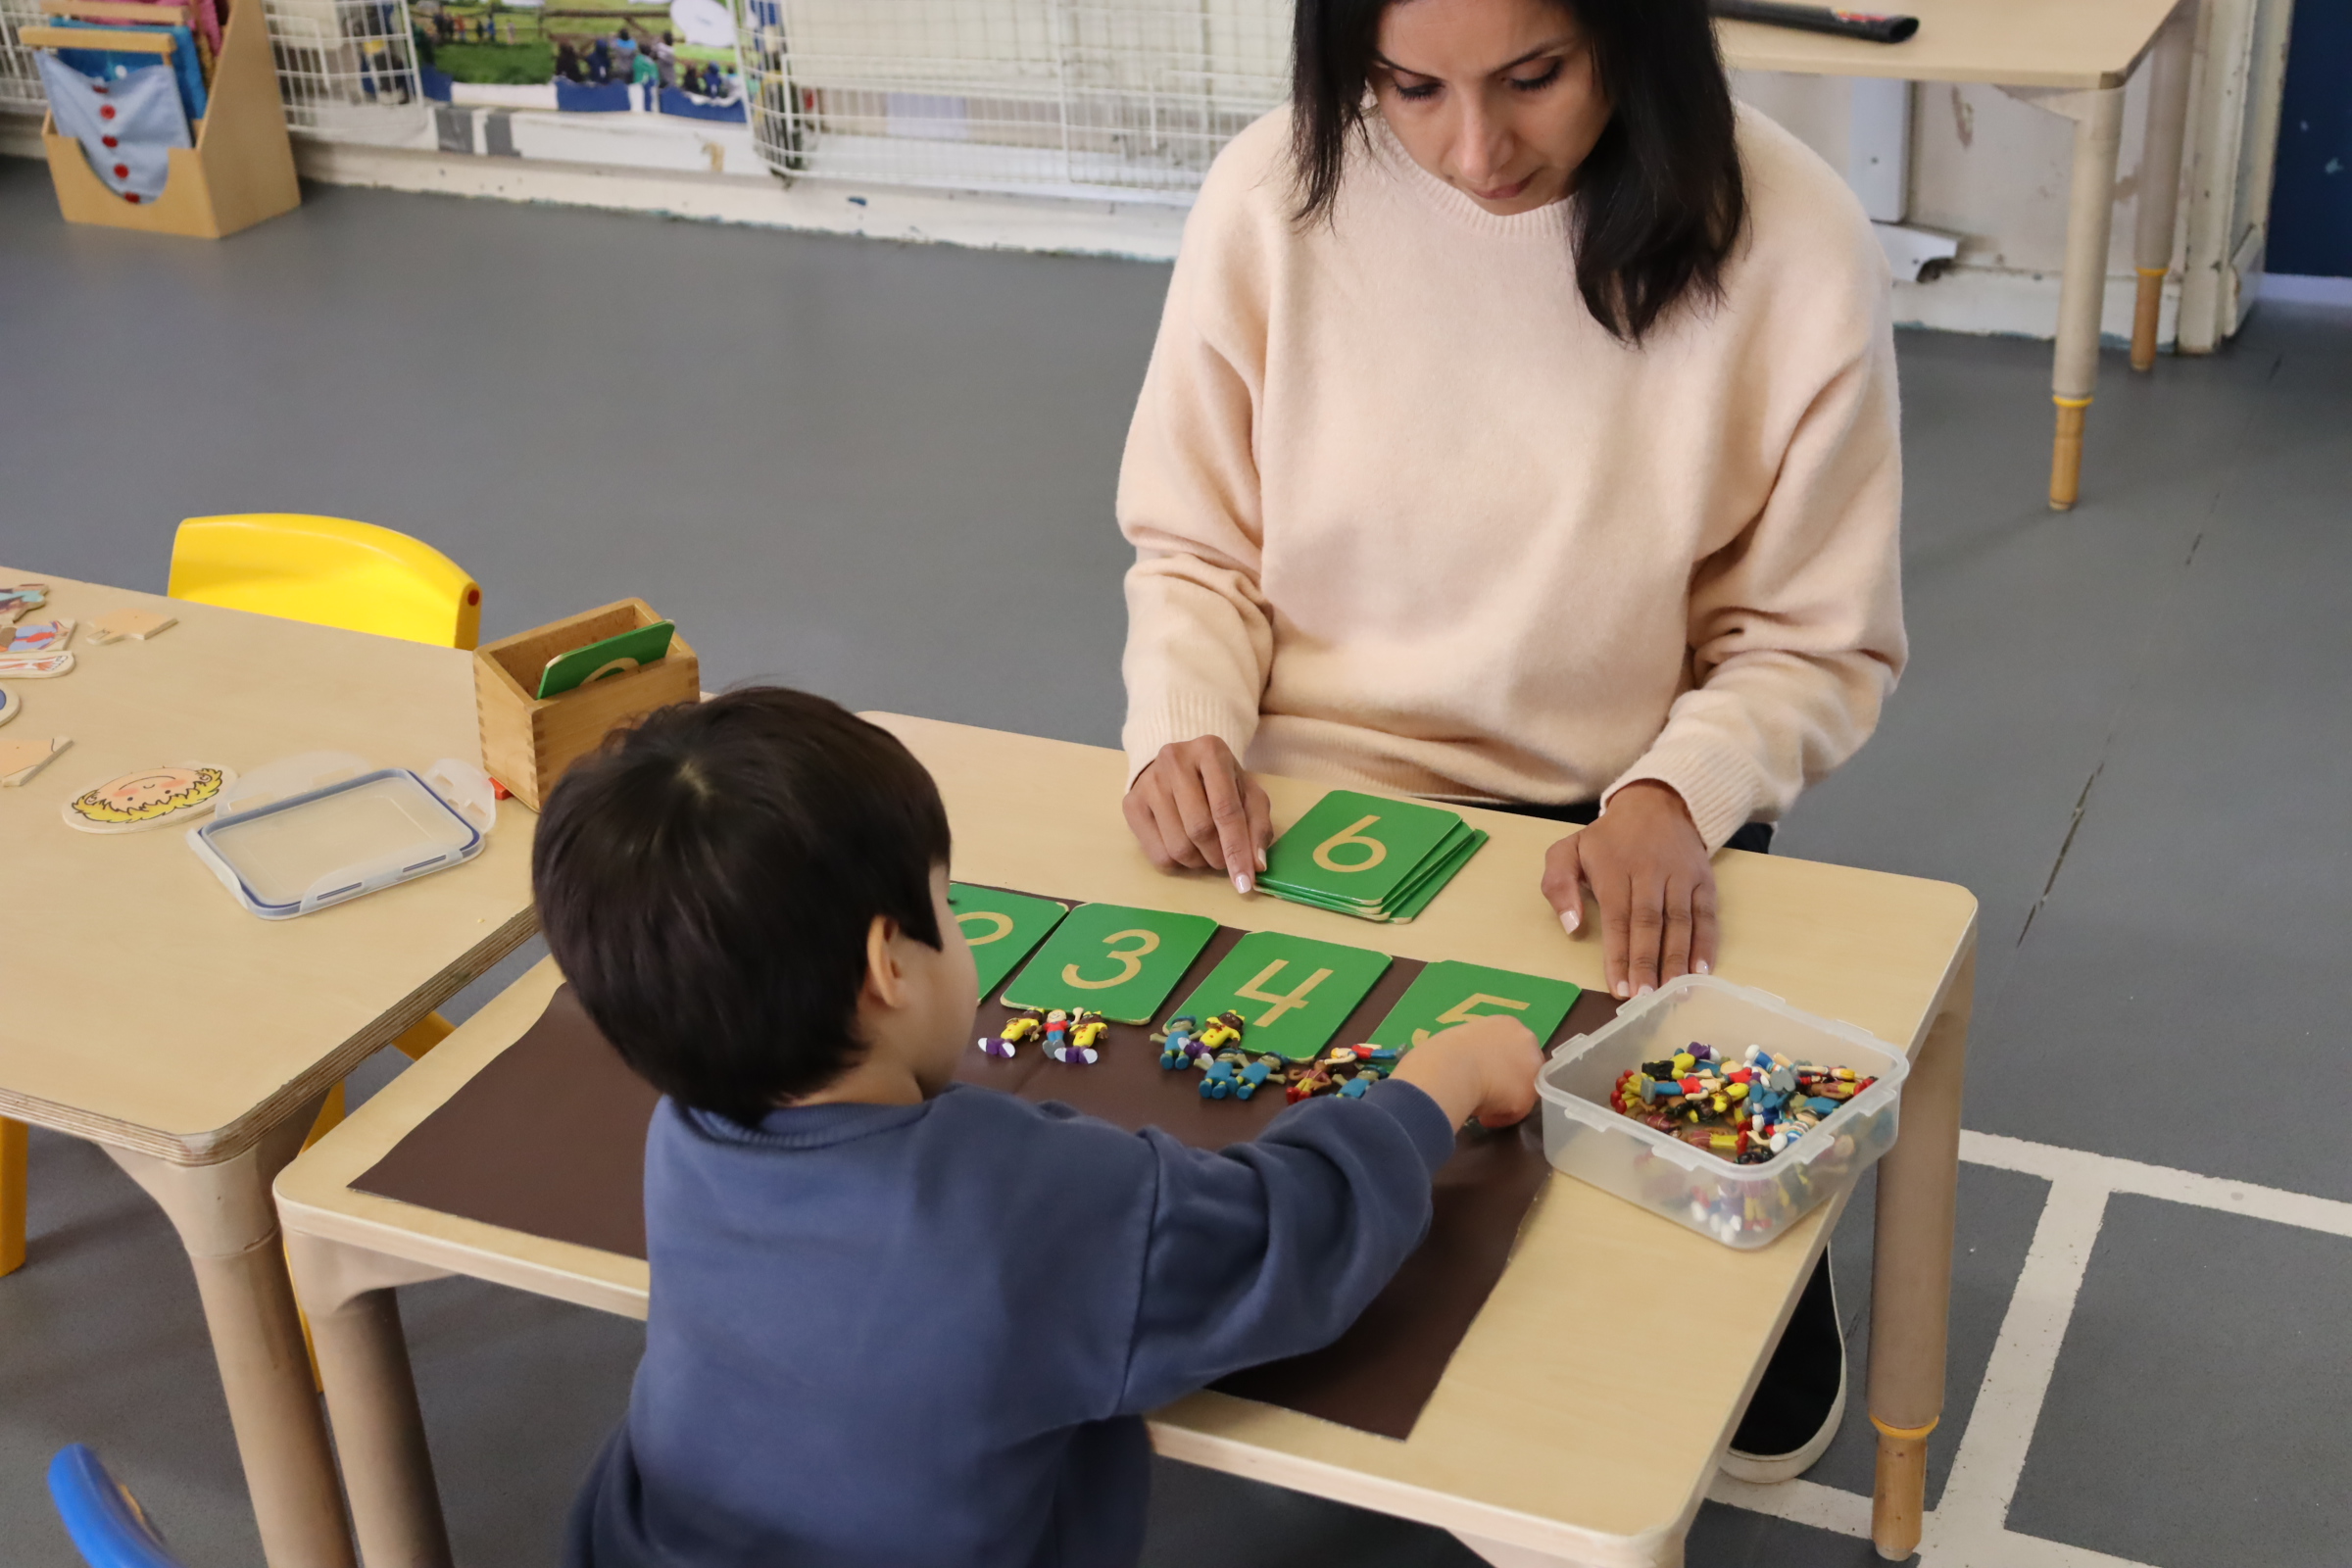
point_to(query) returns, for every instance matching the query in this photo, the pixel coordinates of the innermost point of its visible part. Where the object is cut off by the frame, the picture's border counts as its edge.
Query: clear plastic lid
(319, 829)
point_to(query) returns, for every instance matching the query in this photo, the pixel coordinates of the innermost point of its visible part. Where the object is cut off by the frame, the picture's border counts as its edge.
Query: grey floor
(885, 472)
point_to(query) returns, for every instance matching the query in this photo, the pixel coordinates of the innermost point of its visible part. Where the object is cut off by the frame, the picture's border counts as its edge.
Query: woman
(1522, 430)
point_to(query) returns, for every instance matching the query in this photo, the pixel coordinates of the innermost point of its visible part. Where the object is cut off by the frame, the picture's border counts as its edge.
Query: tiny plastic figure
(1179, 1042)
(1017, 1028)
(1087, 1029)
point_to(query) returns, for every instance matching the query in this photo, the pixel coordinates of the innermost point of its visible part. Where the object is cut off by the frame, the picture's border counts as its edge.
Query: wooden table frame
(1525, 1450)
(2072, 59)
(199, 1070)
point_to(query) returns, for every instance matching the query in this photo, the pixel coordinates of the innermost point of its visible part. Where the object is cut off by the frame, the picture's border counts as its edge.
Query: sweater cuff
(1716, 784)
(1183, 717)
(1420, 1117)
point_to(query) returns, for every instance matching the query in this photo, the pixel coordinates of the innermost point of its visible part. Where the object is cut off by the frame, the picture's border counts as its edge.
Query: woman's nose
(1482, 147)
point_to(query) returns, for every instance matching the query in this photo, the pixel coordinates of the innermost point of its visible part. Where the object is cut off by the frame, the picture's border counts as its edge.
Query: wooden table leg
(2160, 177)
(1911, 1273)
(2098, 118)
(371, 1397)
(16, 1145)
(229, 1225)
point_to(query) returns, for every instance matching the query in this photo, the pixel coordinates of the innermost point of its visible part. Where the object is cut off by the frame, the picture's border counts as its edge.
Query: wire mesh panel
(1122, 98)
(19, 79)
(347, 70)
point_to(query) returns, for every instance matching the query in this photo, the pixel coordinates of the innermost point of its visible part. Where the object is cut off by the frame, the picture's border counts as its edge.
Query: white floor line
(1799, 1502)
(2000, 1426)
(2158, 1181)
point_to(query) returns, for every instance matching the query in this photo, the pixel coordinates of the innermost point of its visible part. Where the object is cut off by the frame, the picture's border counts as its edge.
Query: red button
(122, 170)
(131, 196)
(109, 141)
(99, 90)
(105, 111)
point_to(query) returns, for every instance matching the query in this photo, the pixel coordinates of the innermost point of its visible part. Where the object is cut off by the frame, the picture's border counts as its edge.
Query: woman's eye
(1538, 84)
(1418, 91)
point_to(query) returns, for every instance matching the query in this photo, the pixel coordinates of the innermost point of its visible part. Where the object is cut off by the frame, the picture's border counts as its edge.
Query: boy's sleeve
(1271, 1247)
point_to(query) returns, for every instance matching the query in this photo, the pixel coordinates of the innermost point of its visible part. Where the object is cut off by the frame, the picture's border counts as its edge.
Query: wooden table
(149, 1013)
(1547, 1440)
(2072, 57)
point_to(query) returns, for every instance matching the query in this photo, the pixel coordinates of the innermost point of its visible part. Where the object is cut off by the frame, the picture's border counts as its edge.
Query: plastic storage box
(1738, 1206)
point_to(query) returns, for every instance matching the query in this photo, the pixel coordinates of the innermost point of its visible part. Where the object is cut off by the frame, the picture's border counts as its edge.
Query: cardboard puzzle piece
(129, 621)
(1112, 959)
(150, 798)
(1293, 992)
(16, 597)
(1000, 928)
(34, 666)
(21, 760)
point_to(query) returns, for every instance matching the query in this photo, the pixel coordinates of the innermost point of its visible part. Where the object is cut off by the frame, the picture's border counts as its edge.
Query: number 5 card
(1448, 992)
(1112, 960)
(1000, 928)
(1293, 992)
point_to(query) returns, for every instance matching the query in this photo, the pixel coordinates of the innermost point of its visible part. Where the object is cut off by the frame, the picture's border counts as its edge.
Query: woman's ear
(885, 981)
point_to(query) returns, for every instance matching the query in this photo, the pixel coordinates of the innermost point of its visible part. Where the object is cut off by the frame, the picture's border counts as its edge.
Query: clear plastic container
(323, 828)
(1740, 1205)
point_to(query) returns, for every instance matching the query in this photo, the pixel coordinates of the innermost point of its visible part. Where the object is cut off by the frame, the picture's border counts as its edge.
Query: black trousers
(1755, 835)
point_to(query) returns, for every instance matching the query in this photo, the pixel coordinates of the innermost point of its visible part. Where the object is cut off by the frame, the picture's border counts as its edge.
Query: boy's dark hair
(1658, 202)
(706, 881)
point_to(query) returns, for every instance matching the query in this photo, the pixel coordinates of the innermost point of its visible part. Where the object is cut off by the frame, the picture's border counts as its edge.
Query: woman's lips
(1503, 193)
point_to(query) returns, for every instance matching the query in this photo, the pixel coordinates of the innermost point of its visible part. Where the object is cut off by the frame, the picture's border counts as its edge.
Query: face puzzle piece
(1114, 959)
(167, 796)
(1000, 928)
(1293, 992)
(1358, 849)
(1448, 992)
(34, 666)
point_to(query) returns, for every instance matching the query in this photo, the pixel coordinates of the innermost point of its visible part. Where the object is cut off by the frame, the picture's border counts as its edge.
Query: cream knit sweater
(1407, 517)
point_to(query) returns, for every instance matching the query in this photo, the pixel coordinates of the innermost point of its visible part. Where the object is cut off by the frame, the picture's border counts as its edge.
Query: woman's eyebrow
(1537, 53)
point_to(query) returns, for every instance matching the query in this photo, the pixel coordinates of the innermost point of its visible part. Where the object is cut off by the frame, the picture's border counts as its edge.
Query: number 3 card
(1112, 960)
(1000, 928)
(1448, 992)
(1293, 992)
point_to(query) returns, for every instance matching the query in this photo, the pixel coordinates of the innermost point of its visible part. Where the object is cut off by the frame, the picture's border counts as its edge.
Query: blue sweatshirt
(920, 1336)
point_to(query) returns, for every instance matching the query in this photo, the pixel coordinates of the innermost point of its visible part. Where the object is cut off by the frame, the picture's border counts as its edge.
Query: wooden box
(528, 741)
(241, 170)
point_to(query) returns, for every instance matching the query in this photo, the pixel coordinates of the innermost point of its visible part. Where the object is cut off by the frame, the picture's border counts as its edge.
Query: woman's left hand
(1649, 872)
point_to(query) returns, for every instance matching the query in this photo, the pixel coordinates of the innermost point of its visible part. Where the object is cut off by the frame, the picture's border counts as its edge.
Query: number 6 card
(1112, 960)
(1293, 992)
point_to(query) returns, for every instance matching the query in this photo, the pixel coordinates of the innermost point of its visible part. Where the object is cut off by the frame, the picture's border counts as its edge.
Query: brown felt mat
(549, 1138)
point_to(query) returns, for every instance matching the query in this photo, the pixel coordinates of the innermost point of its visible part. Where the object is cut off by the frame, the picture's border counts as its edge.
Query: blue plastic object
(104, 1521)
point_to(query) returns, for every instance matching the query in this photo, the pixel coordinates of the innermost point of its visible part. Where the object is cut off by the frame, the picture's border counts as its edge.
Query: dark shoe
(1801, 1399)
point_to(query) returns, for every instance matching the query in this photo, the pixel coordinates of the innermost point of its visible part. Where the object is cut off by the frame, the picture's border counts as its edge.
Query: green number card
(1293, 992)
(1002, 928)
(1358, 849)
(1114, 959)
(1448, 992)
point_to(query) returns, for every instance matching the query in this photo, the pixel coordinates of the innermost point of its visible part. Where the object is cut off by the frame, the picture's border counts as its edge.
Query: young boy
(896, 1320)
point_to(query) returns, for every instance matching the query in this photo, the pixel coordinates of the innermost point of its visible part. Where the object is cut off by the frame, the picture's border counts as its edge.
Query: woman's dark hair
(706, 881)
(1659, 201)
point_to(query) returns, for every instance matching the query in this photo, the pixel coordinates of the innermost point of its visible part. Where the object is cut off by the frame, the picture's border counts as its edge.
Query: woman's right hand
(1193, 806)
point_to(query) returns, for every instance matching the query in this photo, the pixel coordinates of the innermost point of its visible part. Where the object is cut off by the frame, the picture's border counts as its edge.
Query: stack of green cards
(1369, 856)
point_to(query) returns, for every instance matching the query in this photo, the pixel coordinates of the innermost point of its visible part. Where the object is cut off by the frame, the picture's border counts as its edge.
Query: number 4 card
(1446, 994)
(1000, 928)
(1293, 992)
(1112, 960)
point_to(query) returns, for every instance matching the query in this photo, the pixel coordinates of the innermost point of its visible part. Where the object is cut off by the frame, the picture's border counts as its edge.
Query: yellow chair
(329, 571)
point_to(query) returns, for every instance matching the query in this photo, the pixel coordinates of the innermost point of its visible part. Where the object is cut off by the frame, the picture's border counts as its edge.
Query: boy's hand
(1484, 1068)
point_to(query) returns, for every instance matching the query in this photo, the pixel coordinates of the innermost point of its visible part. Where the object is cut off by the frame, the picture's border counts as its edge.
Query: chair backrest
(104, 1521)
(329, 571)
